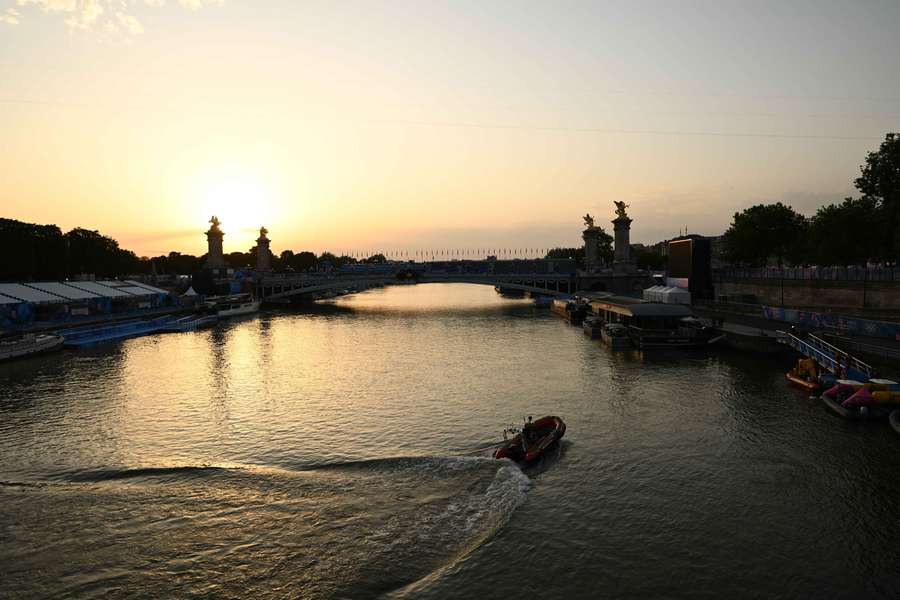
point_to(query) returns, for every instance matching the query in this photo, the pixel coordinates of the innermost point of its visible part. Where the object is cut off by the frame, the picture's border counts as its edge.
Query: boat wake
(354, 529)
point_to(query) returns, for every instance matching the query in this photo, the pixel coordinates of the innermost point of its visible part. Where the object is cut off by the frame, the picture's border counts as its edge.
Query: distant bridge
(547, 277)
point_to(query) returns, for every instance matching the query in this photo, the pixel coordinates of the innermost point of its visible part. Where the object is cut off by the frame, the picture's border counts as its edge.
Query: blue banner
(816, 320)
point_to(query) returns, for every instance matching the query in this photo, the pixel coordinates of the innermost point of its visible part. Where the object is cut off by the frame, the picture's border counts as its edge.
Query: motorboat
(529, 442)
(28, 345)
(233, 306)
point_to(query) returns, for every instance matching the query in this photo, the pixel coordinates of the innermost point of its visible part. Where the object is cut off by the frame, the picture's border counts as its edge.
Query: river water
(343, 451)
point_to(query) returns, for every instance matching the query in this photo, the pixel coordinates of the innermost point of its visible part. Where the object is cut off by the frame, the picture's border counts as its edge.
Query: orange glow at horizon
(374, 127)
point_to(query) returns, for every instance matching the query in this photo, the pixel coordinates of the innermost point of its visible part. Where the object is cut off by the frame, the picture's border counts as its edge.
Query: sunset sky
(404, 125)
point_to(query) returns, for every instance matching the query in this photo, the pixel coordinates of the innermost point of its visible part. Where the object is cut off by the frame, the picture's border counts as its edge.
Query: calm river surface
(343, 452)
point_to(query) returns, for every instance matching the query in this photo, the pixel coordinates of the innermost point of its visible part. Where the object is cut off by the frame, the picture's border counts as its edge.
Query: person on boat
(528, 430)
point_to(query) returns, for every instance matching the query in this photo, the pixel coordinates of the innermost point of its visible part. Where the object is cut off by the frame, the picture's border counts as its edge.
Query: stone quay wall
(812, 293)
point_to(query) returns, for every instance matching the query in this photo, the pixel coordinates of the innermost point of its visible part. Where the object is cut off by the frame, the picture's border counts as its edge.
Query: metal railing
(849, 360)
(832, 358)
(751, 308)
(853, 273)
(882, 352)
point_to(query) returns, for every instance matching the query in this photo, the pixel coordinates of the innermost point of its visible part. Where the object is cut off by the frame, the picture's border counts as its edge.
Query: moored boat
(615, 335)
(573, 311)
(532, 440)
(542, 301)
(109, 332)
(809, 386)
(190, 323)
(855, 400)
(592, 326)
(29, 345)
(835, 407)
(233, 306)
(657, 325)
(894, 420)
(805, 375)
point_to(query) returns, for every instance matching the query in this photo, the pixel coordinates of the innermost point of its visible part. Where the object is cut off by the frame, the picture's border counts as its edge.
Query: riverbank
(748, 319)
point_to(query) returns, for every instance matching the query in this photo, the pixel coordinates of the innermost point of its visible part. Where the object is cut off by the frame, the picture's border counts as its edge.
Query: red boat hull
(541, 435)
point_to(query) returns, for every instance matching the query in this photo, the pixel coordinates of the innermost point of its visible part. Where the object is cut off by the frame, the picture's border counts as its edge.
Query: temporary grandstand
(23, 304)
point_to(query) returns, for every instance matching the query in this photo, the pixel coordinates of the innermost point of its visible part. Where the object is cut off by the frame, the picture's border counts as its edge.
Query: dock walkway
(831, 358)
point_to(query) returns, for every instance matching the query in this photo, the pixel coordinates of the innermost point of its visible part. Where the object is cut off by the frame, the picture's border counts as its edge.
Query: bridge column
(591, 237)
(263, 255)
(623, 261)
(214, 257)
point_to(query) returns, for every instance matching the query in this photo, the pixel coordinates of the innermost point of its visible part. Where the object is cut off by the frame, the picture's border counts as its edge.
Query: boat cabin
(652, 324)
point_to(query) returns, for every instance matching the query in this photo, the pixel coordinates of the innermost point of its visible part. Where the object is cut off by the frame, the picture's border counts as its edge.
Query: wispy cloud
(110, 16)
(10, 17)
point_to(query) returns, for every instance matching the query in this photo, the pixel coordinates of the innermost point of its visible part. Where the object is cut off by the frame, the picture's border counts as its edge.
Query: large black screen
(680, 258)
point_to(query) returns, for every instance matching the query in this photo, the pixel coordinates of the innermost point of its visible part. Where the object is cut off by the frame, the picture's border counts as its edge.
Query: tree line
(856, 231)
(31, 252)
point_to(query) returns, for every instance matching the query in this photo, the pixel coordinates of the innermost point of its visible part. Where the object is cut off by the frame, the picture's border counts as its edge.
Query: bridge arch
(275, 288)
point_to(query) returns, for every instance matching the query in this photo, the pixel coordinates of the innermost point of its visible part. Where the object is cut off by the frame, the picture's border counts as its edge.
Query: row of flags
(451, 253)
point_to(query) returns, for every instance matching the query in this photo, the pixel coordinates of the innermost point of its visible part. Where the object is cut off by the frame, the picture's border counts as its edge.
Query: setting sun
(242, 204)
(449, 299)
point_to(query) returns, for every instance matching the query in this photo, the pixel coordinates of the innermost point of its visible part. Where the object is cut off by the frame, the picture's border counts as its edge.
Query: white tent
(675, 295)
(190, 292)
(652, 294)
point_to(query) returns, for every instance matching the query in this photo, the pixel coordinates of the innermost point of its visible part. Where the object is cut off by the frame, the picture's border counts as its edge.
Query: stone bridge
(274, 287)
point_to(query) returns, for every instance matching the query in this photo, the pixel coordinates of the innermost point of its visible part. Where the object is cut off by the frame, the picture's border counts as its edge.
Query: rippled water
(343, 452)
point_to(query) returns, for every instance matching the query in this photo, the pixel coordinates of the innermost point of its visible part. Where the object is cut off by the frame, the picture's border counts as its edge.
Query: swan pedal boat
(533, 440)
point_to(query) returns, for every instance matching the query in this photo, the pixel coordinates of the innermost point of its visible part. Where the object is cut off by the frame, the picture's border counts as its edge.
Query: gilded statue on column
(588, 221)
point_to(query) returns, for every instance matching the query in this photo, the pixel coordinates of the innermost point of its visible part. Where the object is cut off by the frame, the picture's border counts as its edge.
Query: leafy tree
(880, 179)
(605, 246)
(297, 263)
(328, 260)
(847, 233)
(240, 260)
(764, 231)
(375, 259)
(284, 261)
(304, 261)
(176, 263)
(576, 254)
(30, 251)
(559, 253)
(335, 261)
(90, 252)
